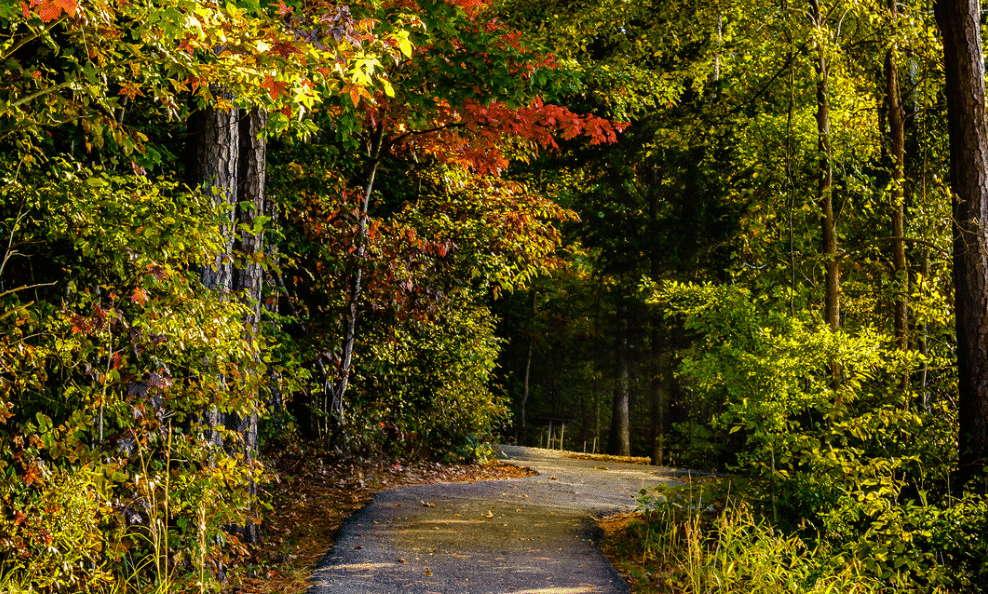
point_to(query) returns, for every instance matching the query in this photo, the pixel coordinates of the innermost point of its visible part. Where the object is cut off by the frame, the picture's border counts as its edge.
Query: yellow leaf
(405, 46)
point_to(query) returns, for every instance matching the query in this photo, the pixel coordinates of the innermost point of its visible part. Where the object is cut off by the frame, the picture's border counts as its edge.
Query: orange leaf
(139, 296)
(275, 88)
(68, 6)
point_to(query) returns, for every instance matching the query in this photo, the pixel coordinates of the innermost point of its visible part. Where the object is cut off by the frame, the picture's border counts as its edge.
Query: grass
(684, 543)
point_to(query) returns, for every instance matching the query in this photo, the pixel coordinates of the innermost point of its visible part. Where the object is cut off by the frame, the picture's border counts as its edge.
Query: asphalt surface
(534, 535)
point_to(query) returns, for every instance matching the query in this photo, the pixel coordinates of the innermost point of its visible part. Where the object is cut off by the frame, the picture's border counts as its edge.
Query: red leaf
(284, 10)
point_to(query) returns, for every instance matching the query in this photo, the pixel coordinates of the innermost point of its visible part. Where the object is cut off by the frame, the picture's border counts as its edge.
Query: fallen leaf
(400, 560)
(490, 514)
(428, 572)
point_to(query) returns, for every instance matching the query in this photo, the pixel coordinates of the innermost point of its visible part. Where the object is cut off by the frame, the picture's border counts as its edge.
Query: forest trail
(520, 536)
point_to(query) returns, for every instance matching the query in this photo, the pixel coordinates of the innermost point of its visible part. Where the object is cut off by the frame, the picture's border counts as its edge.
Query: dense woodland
(737, 236)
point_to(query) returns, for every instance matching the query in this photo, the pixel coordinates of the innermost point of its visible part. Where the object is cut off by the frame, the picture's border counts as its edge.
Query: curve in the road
(520, 536)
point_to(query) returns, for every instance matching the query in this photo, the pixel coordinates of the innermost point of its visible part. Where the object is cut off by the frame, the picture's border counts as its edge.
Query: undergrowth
(702, 539)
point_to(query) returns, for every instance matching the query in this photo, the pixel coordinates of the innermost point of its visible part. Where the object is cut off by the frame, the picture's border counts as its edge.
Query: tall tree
(825, 184)
(619, 441)
(897, 146)
(960, 25)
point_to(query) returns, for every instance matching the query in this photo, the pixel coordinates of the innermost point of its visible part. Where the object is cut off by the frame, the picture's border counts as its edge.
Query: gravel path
(520, 536)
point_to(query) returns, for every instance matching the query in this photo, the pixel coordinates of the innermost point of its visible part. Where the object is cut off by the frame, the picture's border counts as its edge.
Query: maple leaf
(131, 90)
(49, 10)
(283, 9)
(139, 296)
(275, 88)
(355, 92)
(284, 49)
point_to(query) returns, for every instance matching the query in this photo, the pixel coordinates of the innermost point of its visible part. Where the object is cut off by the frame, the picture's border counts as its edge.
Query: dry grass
(621, 544)
(608, 458)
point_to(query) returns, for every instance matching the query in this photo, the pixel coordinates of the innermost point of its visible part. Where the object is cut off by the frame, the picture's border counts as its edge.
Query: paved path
(521, 536)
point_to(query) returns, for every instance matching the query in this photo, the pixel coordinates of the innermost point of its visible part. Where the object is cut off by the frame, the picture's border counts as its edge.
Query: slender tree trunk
(897, 138)
(658, 398)
(828, 219)
(528, 355)
(595, 384)
(370, 171)
(960, 24)
(619, 443)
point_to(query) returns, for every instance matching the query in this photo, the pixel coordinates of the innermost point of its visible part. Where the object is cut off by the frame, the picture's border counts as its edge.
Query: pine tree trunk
(657, 399)
(619, 442)
(212, 151)
(248, 272)
(959, 23)
(226, 156)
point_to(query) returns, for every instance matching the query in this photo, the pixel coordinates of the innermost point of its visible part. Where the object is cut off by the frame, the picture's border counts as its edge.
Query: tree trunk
(619, 442)
(528, 356)
(374, 151)
(248, 271)
(658, 398)
(212, 151)
(828, 219)
(959, 23)
(227, 155)
(897, 139)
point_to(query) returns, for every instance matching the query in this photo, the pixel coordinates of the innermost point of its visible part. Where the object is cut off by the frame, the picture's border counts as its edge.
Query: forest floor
(312, 494)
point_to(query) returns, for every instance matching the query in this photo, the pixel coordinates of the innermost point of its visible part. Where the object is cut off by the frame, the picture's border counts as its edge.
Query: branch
(398, 139)
(22, 287)
(34, 96)
(922, 242)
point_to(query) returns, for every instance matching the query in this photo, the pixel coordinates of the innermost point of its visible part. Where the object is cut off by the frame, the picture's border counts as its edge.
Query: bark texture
(226, 155)
(211, 163)
(959, 24)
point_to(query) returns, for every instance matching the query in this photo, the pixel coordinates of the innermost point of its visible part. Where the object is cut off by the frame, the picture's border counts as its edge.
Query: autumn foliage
(113, 354)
